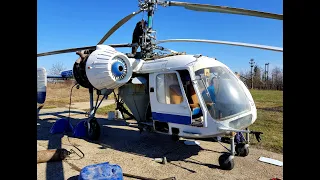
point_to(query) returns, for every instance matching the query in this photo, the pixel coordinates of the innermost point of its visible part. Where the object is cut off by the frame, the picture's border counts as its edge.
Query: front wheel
(242, 149)
(94, 130)
(226, 161)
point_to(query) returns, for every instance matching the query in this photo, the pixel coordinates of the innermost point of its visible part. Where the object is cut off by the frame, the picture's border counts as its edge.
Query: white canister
(111, 115)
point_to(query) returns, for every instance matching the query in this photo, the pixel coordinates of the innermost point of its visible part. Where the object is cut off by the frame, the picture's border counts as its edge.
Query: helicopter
(170, 92)
(42, 78)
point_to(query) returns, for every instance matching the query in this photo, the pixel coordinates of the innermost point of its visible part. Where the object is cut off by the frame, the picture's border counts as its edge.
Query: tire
(242, 150)
(94, 131)
(226, 162)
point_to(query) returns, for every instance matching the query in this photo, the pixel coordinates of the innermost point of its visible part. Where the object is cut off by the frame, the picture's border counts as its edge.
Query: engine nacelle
(104, 68)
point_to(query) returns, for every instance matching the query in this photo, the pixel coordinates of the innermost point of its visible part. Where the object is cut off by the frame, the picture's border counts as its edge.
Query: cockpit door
(168, 99)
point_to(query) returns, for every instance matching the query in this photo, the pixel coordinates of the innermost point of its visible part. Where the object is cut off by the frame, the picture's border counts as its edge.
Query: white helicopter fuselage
(178, 115)
(41, 87)
(164, 98)
(188, 96)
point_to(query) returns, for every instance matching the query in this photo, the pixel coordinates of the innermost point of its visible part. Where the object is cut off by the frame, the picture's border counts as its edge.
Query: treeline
(262, 79)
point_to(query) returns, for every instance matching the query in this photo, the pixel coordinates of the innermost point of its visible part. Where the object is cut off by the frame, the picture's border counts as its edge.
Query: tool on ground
(52, 155)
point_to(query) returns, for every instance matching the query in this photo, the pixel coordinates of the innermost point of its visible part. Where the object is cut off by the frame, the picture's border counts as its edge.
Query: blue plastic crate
(102, 171)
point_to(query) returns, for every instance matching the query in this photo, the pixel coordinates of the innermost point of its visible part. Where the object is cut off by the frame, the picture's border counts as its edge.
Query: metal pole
(267, 74)
(267, 71)
(251, 64)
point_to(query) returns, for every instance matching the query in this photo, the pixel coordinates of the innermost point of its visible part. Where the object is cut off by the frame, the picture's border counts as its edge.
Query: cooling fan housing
(107, 68)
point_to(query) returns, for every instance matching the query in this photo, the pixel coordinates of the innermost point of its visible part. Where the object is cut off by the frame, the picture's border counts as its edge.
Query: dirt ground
(134, 153)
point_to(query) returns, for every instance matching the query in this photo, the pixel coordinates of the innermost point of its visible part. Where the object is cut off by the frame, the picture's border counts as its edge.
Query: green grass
(104, 110)
(267, 98)
(269, 121)
(112, 107)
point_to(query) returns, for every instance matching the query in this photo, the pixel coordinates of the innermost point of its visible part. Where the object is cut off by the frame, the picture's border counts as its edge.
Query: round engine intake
(107, 68)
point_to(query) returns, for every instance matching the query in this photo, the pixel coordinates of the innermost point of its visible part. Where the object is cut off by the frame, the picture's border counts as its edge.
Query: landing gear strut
(226, 161)
(93, 127)
(241, 149)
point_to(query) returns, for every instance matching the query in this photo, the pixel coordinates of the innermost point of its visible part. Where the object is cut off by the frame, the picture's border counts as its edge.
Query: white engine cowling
(107, 68)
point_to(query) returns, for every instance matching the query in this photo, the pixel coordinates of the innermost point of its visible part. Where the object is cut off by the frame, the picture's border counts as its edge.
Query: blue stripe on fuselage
(172, 118)
(41, 97)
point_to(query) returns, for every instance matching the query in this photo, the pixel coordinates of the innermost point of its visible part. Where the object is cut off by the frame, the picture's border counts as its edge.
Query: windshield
(222, 92)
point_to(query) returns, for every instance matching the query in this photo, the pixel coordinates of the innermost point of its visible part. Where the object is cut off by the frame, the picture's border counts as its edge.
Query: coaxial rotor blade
(222, 9)
(65, 51)
(117, 26)
(80, 48)
(224, 42)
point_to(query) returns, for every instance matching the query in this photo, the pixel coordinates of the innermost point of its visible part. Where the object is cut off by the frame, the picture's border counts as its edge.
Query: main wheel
(94, 130)
(226, 161)
(242, 149)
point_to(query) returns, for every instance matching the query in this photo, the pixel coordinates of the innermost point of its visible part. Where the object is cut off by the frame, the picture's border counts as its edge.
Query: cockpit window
(222, 92)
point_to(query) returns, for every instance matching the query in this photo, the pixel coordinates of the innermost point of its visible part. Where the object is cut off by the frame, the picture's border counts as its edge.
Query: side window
(168, 89)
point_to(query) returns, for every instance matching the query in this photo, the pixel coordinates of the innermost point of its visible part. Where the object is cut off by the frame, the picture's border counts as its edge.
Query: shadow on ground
(116, 135)
(55, 169)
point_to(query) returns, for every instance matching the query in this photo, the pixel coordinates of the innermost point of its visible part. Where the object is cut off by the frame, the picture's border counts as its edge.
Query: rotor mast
(150, 13)
(148, 38)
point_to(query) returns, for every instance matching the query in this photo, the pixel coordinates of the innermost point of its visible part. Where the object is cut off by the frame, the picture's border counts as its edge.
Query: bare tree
(57, 68)
(277, 78)
(275, 82)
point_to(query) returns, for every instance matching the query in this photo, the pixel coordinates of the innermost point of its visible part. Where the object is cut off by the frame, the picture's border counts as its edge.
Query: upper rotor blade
(224, 42)
(117, 26)
(224, 9)
(65, 51)
(80, 48)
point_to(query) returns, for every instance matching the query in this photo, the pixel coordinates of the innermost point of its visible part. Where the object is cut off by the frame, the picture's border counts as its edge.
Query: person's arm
(194, 105)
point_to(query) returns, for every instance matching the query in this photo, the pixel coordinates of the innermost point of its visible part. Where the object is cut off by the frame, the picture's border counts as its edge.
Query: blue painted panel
(103, 171)
(41, 97)
(172, 118)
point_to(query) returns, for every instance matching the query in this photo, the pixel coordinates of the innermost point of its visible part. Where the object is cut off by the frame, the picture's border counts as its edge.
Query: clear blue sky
(76, 23)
